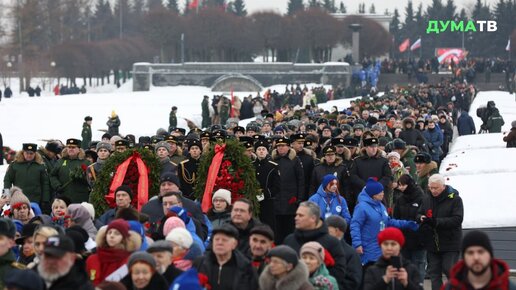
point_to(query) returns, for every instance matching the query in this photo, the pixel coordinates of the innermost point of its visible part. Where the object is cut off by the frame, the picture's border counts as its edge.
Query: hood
(320, 191)
(18, 158)
(427, 169)
(291, 154)
(409, 120)
(132, 243)
(499, 269)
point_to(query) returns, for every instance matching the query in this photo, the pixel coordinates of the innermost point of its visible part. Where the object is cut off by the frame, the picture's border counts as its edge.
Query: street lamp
(9, 66)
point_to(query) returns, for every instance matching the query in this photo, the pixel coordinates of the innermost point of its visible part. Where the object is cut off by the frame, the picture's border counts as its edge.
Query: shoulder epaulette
(18, 265)
(273, 163)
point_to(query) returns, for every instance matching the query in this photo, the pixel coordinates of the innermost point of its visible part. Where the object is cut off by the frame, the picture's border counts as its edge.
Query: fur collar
(309, 153)
(291, 154)
(81, 155)
(408, 150)
(18, 158)
(132, 243)
(379, 153)
(427, 169)
(338, 161)
(292, 281)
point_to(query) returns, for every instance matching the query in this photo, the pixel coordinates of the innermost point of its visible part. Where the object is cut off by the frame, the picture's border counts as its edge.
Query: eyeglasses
(219, 200)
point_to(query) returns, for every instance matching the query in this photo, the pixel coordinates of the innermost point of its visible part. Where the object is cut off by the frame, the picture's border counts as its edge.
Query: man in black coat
(308, 158)
(410, 135)
(242, 219)
(441, 215)
(330, 164)
(267, 174)
(370, 163)
(187, 169)
(337, 227)
(224, 266)
(310, 228)
(292, 187)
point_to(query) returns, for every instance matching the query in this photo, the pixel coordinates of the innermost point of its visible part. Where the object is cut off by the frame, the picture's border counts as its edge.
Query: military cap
(205, 134)
(245, 139)
(30, 147)
(73, 142)
(282, 141)
(332, 122)
(258, 137)
(308, 143)
(156, 139)
(182, 131)
(298, 137)
(350, 142)
(219, 134)
(239, 129)
(171, 139)
(214, 128)
(371, 141)
(338, 142)
(195, 131)
(261, 143)
(122, 142)
(148, 147)
(310, 126)
(322, 121)
(423, 157)
(329, 150)
(88, 118)
(194, 142)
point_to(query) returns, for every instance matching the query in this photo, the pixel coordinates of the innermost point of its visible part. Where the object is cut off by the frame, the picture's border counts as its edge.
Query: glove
(413, 226)
(430, 221)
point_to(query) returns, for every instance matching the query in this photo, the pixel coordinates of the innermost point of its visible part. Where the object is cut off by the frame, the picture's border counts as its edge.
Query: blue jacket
(465, 124)
(337, 205)
(190, 226)
(434, 137)
(369, 218)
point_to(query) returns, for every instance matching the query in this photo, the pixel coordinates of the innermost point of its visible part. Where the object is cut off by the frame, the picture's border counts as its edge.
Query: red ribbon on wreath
(118, 179)
(213, 171)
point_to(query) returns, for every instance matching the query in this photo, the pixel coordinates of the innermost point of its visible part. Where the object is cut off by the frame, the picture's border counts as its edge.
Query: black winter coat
(268, 176)
(353, 277)
(113, 124)
(157, 282)
(406, 208)
(364, 167)
(299, 237)
(292, 185)
(448, 212)
(337, 168)
(373, 279)
(308, 159)
(237, 273)
(412, 137)
(243, 235)
(75, 279)
(187, 173)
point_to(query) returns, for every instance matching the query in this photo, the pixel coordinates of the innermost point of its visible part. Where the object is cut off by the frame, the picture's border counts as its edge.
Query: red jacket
(499, 281)
(107, 260)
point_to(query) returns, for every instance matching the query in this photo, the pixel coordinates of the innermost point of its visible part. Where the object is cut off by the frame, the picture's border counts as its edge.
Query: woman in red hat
(391, 271)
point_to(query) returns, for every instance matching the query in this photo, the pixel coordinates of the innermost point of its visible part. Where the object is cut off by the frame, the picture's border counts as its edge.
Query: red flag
(194, 4)
(404, 45)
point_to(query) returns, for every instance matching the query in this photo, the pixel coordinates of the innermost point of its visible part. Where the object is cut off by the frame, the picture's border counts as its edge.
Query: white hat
(394, 154)
(224, 194)
(180, 237)
(89, 207)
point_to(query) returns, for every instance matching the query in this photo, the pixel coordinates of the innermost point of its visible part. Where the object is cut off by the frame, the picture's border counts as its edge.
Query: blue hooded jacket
(337, 204)
(369, 218)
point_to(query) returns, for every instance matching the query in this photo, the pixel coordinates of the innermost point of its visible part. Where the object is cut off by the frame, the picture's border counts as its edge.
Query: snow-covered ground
(478, 166)
(483, 170)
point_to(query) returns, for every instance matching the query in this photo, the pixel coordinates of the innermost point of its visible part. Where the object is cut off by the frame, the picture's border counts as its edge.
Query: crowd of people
(350, 199)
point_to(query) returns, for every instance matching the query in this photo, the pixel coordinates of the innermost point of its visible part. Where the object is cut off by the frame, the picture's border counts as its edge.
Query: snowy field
(478, 166)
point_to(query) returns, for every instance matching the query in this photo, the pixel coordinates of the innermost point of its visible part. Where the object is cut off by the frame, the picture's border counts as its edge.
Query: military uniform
(86, 133)
(268, 175)
(76, 189)
(187, 173)
(308, 159)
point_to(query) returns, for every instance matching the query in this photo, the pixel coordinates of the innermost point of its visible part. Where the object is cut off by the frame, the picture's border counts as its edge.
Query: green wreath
(236, 174)
(104, 179)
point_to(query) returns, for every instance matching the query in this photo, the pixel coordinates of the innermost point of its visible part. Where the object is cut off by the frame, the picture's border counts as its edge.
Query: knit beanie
(285, 253)
(222, 193)
(315, 249)
(164, 144)
(394, 154)
(476, 238)
(327, 179)
(125, 188)
(391, 234)
(18, 198)
(180, 237)
(373, 187)
(141, 256)
(172, 223)
(120, 225)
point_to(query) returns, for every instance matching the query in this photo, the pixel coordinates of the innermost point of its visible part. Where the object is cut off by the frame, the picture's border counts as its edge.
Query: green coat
(172, 120)
(77, 190)
(495, 122)
(322, 280)
(7, 263)
(429, 170)
(206, 120)
(86, 136)
(30, 176)
(407, 157)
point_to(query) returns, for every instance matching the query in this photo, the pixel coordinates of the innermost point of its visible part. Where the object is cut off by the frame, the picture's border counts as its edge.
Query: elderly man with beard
(479, 269)
(58, 268)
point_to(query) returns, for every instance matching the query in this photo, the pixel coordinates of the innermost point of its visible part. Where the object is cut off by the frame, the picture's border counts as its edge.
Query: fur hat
(399, 144)
(180, 237)
(120, 225)
(315, 249)
(373, 187)
(164, 144)
(18, 198)
(391, 234)
(104, 145)
(222, 193)
(170, 177)
(172, 223)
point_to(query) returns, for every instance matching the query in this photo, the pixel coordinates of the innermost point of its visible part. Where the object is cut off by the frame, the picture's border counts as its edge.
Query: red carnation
(328, 259)
(84, 167)
(292, 200)
(389, 210)
(429, 213)
(203, 280)
(7, 212)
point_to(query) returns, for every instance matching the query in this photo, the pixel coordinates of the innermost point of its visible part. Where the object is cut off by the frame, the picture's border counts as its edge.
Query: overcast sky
(352, 5)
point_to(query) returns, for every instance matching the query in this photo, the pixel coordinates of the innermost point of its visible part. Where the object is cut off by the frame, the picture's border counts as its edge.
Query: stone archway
(237, 82)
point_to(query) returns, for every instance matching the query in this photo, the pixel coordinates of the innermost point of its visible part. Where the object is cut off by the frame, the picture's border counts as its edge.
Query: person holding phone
(391, 271)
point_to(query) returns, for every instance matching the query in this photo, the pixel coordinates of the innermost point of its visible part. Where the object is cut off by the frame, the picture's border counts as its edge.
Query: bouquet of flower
(62, 219)
(230, 179)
